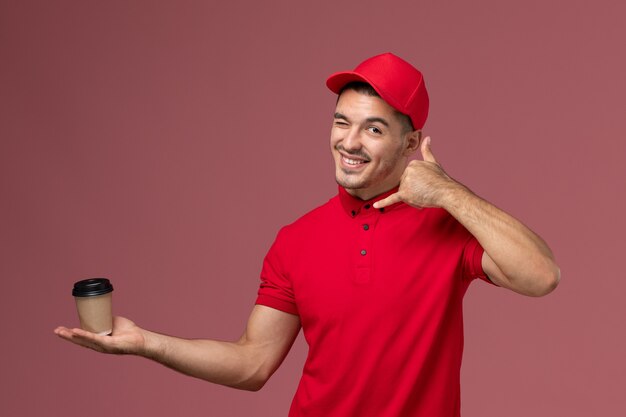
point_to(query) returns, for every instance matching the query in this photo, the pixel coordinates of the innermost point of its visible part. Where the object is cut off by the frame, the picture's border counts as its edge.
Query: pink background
(162, 145)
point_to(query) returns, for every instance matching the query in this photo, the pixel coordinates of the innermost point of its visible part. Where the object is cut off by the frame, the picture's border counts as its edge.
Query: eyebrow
(341, 116)
(368, 120)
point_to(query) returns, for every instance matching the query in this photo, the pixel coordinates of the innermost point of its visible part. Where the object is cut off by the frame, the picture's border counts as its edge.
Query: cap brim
(338, 80)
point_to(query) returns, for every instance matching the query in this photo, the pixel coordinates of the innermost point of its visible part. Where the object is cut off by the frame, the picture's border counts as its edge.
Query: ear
(414, 139)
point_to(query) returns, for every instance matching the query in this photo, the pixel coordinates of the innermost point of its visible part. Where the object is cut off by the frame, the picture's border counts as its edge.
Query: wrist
(153, 345)
(455, 197)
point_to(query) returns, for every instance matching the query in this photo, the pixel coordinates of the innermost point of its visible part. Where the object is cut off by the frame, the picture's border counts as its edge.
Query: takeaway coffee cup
(93, 302)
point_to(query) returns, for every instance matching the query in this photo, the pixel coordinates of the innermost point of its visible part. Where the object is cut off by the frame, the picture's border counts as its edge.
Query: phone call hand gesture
(423, 183)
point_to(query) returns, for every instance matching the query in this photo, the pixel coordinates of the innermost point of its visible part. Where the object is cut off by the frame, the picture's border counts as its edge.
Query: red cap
(396, 81)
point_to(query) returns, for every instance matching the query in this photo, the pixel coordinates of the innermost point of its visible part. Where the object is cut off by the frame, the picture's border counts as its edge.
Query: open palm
(126, 338)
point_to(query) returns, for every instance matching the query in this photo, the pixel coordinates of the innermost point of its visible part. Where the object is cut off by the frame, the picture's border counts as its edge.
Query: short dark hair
(364, 88)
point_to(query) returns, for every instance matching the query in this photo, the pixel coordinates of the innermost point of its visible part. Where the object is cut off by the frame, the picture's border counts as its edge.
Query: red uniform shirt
(379, 294)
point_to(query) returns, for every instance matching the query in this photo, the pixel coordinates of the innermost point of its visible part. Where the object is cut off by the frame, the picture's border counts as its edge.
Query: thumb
(392, 199)
(427, 154)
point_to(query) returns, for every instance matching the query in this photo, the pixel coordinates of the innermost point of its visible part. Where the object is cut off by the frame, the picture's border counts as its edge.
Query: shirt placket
(366, 221)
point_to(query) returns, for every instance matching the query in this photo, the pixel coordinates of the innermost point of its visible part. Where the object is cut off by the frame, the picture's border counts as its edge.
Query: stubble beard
(344, 180)
(363, 180)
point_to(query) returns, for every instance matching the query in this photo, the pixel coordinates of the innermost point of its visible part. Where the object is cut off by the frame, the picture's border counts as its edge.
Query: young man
(375, 277)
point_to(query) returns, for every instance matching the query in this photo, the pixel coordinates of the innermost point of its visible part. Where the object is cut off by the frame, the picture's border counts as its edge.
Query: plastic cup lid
(92, 287)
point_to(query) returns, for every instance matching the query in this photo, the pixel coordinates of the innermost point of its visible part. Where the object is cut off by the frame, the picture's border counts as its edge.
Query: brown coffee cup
(93, 301)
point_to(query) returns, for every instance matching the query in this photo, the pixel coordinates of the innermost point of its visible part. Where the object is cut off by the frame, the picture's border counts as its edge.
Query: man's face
(369, 145)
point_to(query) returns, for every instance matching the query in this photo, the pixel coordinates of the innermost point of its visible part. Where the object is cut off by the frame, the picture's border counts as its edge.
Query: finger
(427, 153)
(66, 333)
(62, 332)
(392, 199)
(83, 338)
(71, 335)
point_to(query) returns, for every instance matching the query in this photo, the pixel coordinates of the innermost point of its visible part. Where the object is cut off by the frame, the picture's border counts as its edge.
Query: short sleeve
(276, 289)
(473, 261)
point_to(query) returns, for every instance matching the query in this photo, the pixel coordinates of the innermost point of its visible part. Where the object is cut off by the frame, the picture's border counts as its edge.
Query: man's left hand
(423, 183)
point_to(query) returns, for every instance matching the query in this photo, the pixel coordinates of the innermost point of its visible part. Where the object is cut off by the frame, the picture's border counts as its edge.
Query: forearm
(227, 363)
(515, 257)
(524, 261)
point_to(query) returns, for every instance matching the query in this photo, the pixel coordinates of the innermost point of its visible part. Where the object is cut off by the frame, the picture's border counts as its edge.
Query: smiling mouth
(352, 162)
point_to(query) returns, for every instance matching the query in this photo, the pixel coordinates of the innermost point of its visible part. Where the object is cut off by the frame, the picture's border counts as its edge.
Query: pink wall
(162, 145)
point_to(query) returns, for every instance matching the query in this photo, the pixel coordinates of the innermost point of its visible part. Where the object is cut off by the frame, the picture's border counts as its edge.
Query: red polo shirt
(379, 294)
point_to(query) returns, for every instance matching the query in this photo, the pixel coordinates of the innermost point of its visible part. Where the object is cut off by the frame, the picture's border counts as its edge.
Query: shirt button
(363, 252)
(367, 206)
(366, 227)
(353, 213)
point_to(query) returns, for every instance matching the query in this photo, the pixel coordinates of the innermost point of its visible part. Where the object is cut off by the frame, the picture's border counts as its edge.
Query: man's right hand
(127, 338)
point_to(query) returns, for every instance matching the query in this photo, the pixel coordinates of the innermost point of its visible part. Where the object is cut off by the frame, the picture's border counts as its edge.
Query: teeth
(352, 161)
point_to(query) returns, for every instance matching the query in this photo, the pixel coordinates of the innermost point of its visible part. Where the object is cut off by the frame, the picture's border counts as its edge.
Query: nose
(352, 140)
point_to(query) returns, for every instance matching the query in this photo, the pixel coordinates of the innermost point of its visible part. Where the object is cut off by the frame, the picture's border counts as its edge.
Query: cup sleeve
(276, 290)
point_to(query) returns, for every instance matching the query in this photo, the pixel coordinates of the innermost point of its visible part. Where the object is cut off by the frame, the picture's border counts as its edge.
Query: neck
(369, 193)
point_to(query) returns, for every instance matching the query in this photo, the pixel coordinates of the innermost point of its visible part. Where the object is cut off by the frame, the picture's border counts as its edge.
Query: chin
(350, 185)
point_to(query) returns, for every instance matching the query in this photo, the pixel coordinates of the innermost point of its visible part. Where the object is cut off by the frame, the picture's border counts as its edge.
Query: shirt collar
(353, 205)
